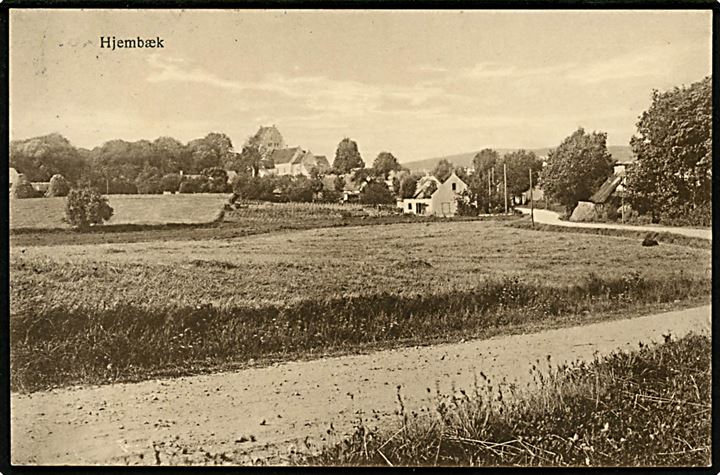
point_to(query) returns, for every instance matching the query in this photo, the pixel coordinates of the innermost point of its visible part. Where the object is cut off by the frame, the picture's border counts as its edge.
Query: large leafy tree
(39, 158)
(577, 168)
(384, 163)
(170, 155)
(408, 186)
(519, 164)
(375, 193)
(347, 156)
(443, 170)
(213, 150)
(249, 160)
(673, 145)
(485, 160)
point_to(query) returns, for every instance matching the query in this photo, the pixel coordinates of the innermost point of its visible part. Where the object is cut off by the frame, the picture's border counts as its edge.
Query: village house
(607, 200)
(292, 161)
(433, 198)
(296, 161)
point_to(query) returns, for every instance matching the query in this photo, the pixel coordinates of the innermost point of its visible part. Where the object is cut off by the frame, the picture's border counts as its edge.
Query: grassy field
(99, 313)
(651, 407)
(258, 218)
(48, 213)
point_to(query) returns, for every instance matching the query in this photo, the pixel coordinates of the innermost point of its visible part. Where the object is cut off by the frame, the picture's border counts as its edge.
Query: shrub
(216, 180)
(25, 190)
(58, 186)
(170, 182)
(120, 186)
(86, 207)
(376, 193)
(193, 185)
(148, 182)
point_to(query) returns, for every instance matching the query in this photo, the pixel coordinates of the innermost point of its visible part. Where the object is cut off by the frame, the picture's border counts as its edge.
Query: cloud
(319, 94)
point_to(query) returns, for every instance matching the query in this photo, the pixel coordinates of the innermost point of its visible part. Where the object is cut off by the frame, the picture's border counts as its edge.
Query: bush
(689, 216)
(148, 181)
(193, 185)
(376, 193)
(25, 190)
(58, 186)
(171, 182)
(86, 207)
(121, 186)
(216, 180)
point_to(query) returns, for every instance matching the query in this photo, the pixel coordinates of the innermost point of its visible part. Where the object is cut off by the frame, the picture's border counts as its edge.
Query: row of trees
(117, 163)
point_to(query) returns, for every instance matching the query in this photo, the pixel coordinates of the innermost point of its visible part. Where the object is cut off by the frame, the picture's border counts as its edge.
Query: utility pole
(489, 193)
(532, 205)
(505, 186)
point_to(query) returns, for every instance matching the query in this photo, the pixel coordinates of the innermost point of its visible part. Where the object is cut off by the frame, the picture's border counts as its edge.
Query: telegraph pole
(532, 205)
(505, 186)
(489, 192)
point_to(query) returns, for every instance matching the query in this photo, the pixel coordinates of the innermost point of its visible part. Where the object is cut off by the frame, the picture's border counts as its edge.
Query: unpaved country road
(550, 217)
(282, 405)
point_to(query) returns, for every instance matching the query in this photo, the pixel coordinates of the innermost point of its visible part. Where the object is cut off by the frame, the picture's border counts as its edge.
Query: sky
(419, 84)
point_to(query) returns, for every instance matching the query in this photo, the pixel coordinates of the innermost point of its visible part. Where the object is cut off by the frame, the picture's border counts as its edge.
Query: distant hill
(621, 153)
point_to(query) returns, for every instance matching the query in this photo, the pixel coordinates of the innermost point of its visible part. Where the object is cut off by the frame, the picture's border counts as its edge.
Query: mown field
(248, 219)
(650, 407)
(48, 213)
(122, 311)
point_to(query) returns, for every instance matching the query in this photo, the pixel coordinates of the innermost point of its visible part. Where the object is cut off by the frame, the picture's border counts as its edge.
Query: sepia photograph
(388, 238)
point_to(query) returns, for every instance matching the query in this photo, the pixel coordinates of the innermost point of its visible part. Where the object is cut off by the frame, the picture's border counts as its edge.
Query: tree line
(670, 180)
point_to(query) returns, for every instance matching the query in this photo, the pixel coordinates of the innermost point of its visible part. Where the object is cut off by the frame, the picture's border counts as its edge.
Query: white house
(296, 161)
(435, 199)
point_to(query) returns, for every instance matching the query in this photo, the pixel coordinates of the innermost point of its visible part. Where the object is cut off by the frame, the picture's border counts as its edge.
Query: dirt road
(550, 217)
(269, 412)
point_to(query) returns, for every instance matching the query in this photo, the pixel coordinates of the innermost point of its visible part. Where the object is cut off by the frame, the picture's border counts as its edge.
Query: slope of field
(620, 153)
(48, 213)
(124, 311)
(418, 258)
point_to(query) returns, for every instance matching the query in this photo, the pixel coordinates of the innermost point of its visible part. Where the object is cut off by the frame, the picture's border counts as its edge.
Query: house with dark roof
(606, 201)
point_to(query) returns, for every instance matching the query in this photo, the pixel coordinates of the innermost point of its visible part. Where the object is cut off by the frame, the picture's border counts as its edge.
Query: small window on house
(410, 206)
(454, 186)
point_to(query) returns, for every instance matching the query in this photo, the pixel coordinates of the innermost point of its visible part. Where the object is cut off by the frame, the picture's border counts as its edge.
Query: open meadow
(48, 213)
(106, 312)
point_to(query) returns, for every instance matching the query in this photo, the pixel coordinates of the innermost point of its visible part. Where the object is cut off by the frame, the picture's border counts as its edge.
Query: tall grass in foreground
(59, 343)
(651, 407)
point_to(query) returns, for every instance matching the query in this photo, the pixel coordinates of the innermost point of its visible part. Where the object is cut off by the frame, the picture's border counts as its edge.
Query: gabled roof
(423, 184)
(283, 155)
(606, 189)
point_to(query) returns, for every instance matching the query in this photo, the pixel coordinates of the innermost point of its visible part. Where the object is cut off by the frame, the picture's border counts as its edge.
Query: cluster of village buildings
(432, 197)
